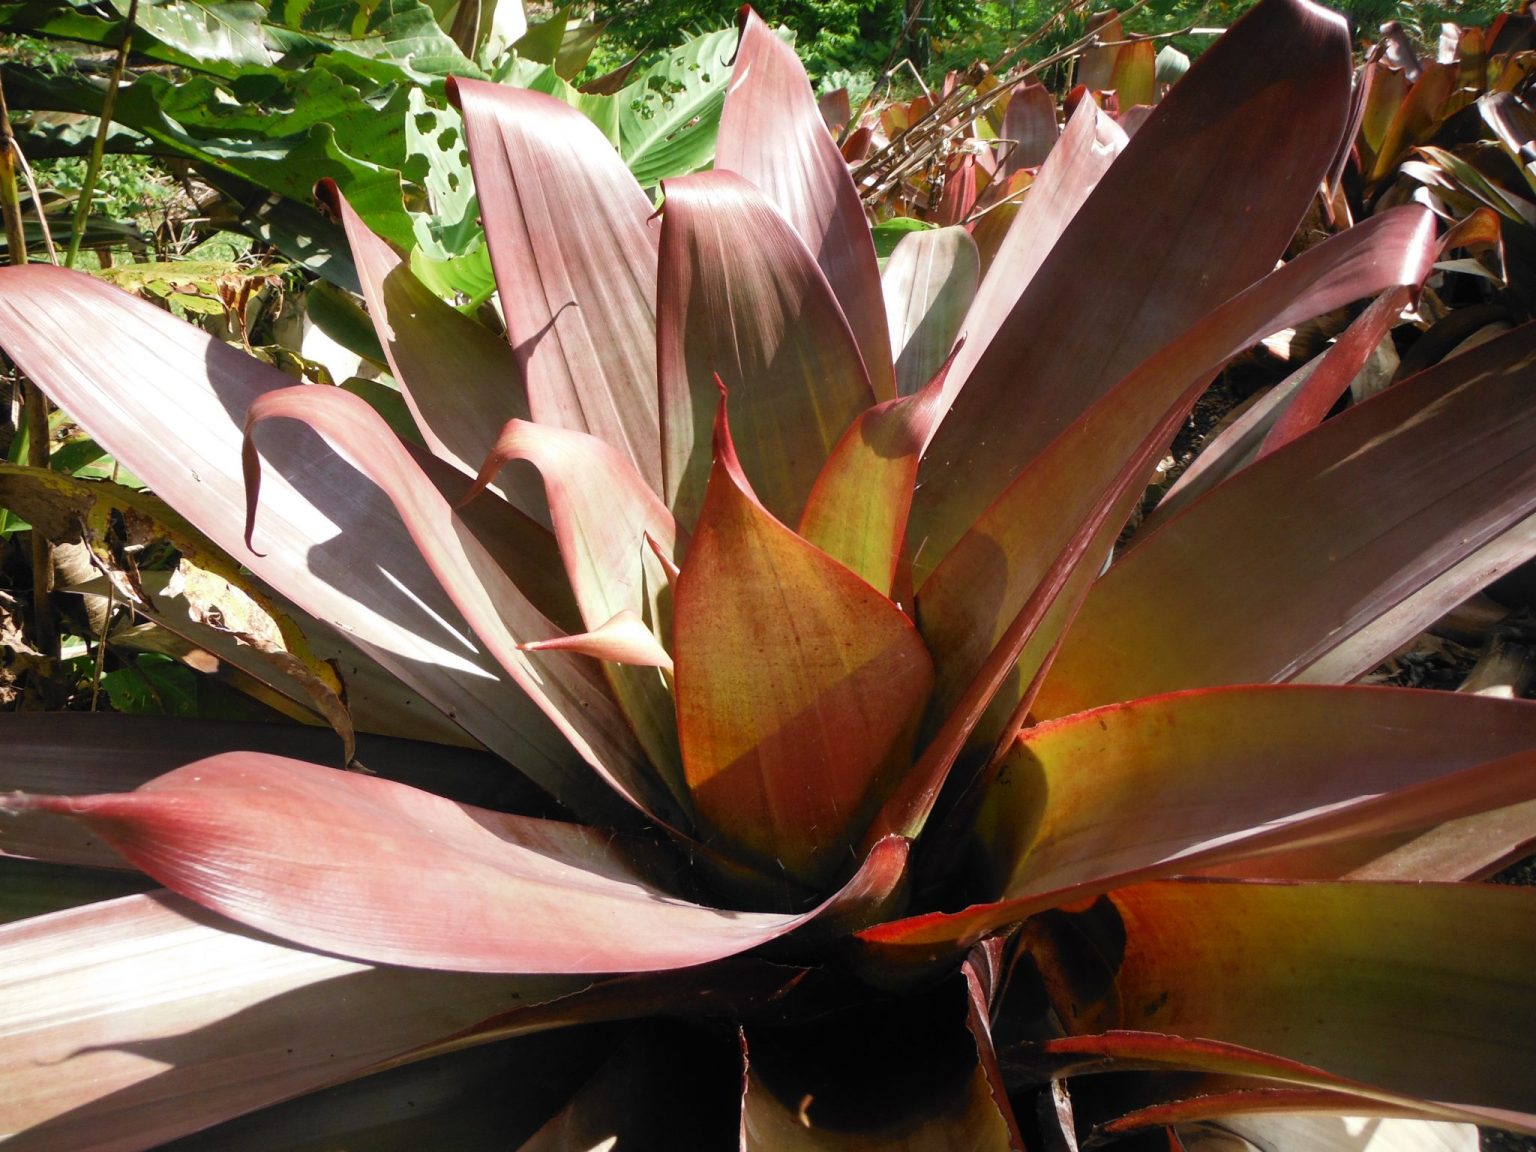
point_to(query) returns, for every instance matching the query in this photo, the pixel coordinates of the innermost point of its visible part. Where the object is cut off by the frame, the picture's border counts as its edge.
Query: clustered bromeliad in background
(888, 816)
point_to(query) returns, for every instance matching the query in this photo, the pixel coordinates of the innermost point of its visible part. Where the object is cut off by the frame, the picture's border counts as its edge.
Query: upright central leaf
(799, 687)
(740, 297)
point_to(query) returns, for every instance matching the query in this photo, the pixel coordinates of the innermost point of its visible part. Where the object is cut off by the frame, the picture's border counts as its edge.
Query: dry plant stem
(37, 201)
(101, 650)
(910, 149)
(1005, 60)
(44, 627)
(1192, 30)
(99, 145)
(887, 70)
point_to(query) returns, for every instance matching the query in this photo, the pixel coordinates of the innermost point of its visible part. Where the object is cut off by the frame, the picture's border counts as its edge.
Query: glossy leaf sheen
(771, 132)
(1213, 772)
(929, 283)
(1236, 153)
(1341, 364)
(1373, 507)
(75, 753)
(331, 542)
(366, 868)
(858, 509)
(798, 685)
(1029, 124)
(1359, 979)
(1287, 788)
(741, 299)
(1004, 595)
(580, 303)
(565, 687)
(130, 1023)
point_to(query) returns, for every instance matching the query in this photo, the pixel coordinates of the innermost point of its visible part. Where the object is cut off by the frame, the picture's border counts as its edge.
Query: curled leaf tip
(451, 90)
(250, 462)
(501, 452)
(663, 557)
(725, 447)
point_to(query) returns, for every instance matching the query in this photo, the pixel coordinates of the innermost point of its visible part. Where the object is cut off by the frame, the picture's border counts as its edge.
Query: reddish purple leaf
(771, 132)
(1340, 365)
(994, 611)
(566, 687)
(580, 302)
(1472, 848)
(363, 867)
(1404, 760)
(75, 753)
(760, 316)
(173, 413)
(1236, 153)
(1071, 172)
(130, 1023)
(1321, 559)
(1214, 773)
(459, 378)
(1029, 127)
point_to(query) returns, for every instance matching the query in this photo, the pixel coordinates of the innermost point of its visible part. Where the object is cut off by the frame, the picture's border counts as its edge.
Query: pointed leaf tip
(295, 849)
(790, 670)
(624, 639)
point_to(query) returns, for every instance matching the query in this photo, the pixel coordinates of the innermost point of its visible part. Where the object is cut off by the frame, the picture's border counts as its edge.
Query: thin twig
(37, 202)
(887, 70)
(906, 62)
(1192, 30)
(99, 145)
(101, 646)
(1059, 17)
(883, 170)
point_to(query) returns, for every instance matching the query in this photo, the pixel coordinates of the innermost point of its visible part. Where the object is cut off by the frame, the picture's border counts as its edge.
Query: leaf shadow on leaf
(290, 1043)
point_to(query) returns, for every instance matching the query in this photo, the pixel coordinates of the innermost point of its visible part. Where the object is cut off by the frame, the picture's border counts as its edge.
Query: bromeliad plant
(902, 819)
